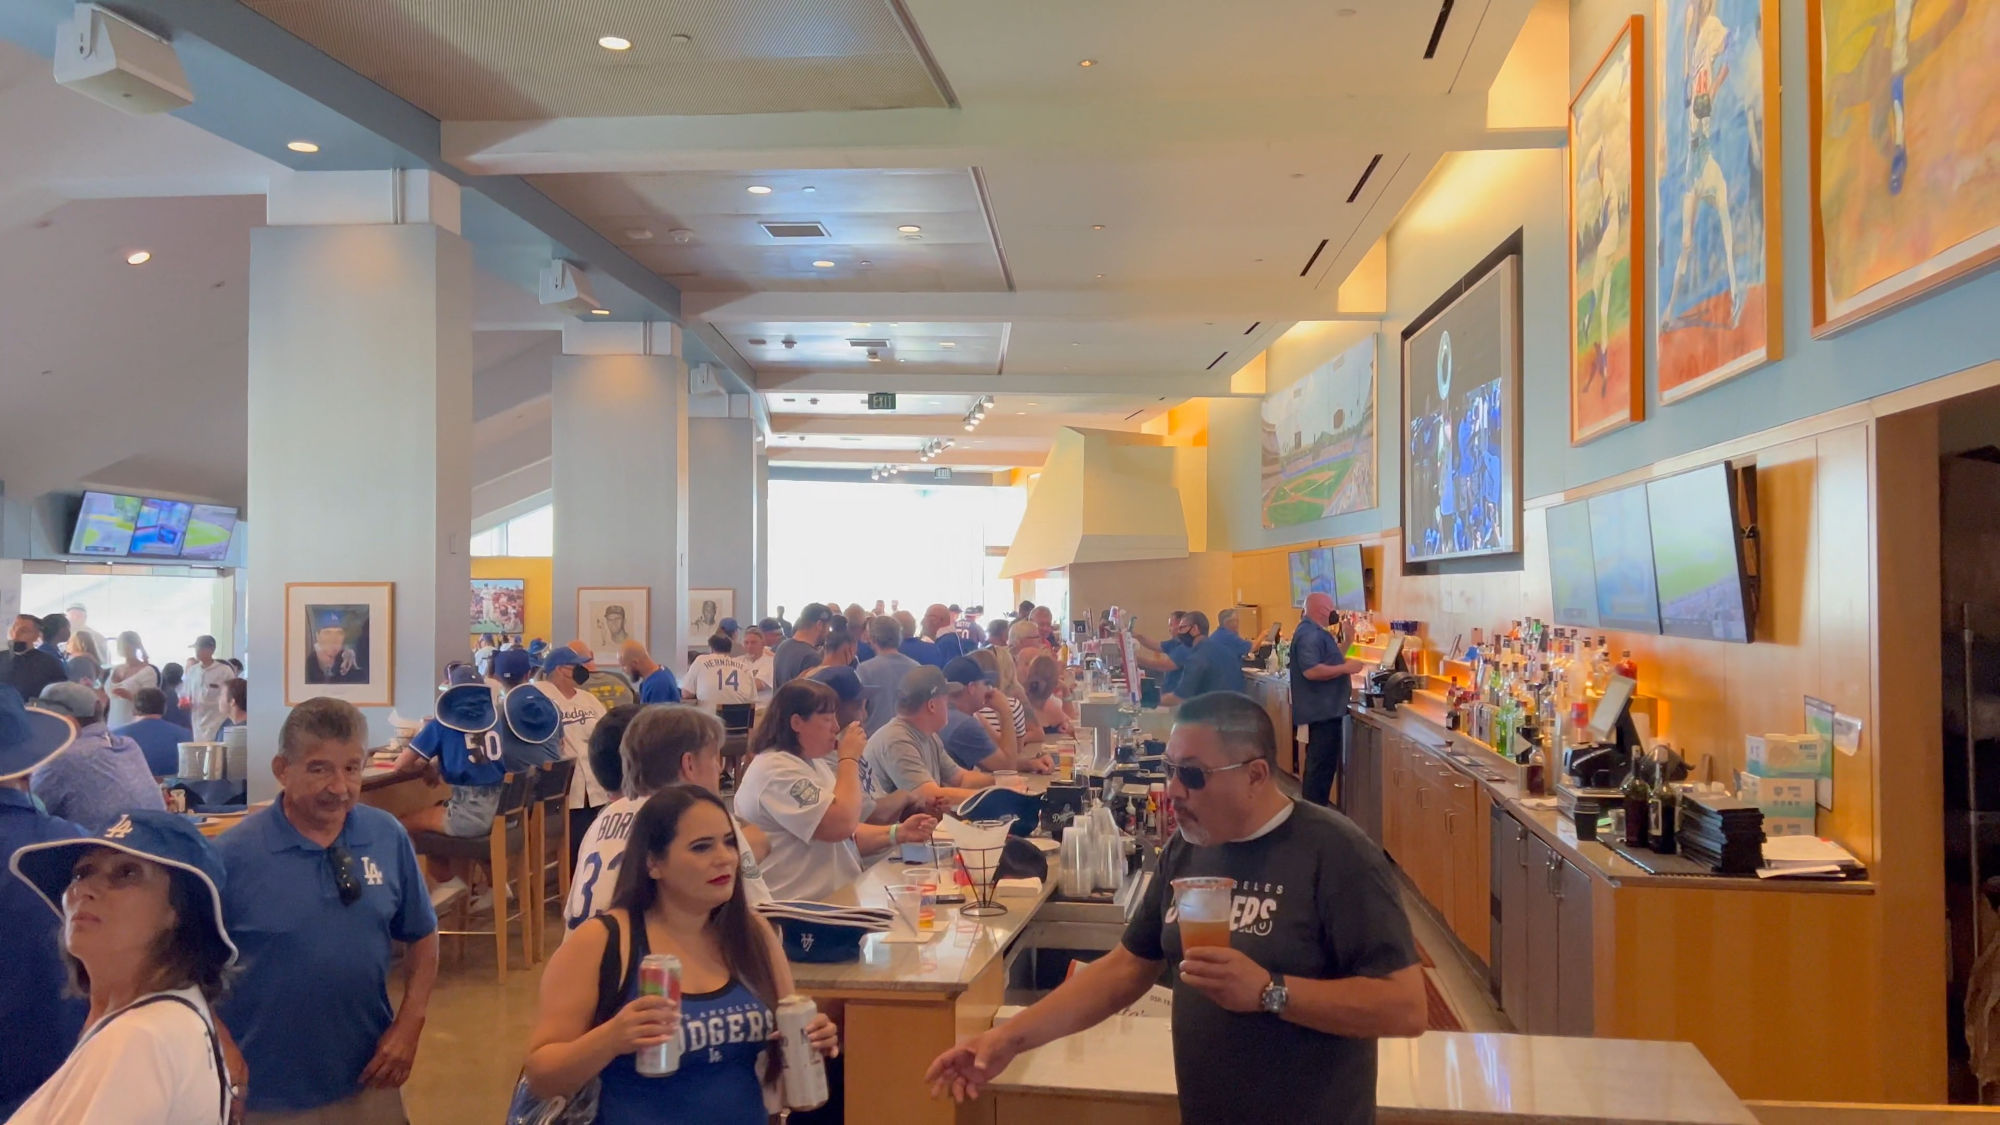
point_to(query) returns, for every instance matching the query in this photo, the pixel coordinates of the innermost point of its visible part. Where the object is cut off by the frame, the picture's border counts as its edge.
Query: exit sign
(941, 473)
(882, 400)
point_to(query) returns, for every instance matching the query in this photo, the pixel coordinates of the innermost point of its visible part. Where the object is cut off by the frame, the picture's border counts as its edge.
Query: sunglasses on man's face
(1196, 777)
(344, 879)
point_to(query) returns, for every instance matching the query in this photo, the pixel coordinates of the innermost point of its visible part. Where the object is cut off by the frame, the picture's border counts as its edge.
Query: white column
(360, 406)
(763, 549)
(723, 514)
(619, 458)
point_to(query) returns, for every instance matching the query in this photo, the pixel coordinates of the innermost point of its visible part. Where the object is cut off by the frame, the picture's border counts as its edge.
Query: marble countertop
(1441, 1076)
(949, 962)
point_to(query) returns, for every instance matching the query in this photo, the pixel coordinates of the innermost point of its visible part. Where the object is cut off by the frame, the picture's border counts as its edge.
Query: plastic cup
(1202, 904)
(926, 879)
(951, 879)
(907, 901)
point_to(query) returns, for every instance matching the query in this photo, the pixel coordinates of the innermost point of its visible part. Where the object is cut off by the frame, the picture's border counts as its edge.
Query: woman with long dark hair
(133, 674)
(678, 893)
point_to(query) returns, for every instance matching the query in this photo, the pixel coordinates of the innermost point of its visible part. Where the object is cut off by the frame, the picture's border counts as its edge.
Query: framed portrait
(1462, 416)
(1905, 190)
(1607, 235)
(1717, 261)
(499, 605)
(1319, 441)
(608, 616)
(706, 609)
(340, 642)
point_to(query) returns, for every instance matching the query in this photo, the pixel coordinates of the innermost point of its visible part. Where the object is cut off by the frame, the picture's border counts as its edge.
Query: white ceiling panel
(974, 349)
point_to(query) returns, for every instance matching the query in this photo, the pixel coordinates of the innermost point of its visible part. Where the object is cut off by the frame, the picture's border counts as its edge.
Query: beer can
(804, 1083)
(660, 975)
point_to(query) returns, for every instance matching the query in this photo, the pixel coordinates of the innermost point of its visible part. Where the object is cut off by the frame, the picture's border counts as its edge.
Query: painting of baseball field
(1710, 262)
(1907, 107)
(1607, 222)
(1319, 441)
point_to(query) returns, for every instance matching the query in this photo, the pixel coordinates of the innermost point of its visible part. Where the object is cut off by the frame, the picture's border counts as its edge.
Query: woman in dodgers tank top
(678, 893)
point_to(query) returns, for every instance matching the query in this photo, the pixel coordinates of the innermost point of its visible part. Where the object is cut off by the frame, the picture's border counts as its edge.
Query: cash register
(1389, 683)
(1594, 771)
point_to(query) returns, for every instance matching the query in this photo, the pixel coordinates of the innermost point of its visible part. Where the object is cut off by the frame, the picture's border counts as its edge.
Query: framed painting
(339, 642)
(499, 606)
(608, 616)
(1717, 263)
(1905, 186)
(1607, 232)
(1319, 441)
(706, 611)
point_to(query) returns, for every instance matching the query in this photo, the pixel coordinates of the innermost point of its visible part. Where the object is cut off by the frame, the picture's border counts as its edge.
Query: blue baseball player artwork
(337, 644)
(1461, 387)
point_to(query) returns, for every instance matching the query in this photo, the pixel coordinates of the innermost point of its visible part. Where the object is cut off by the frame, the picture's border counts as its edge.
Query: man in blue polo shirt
(1214, 663)
(158, 738)
(320, 886)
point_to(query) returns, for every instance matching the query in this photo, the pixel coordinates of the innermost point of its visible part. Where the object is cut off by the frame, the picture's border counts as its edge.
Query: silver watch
(1276, 995)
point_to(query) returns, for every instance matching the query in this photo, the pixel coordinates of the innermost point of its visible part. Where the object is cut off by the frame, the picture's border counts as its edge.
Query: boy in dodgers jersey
(654, 747)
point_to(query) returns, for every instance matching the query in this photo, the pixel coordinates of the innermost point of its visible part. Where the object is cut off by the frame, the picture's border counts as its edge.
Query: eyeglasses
(1196, 777)
(344, 880)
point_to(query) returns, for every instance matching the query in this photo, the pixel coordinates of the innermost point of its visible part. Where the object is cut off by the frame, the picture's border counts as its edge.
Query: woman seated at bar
(1043, 686)
(999, 666)
(679, 894)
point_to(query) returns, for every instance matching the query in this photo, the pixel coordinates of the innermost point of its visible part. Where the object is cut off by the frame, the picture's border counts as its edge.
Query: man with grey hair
(320, 888)
(907, 754)
(1318, 961)
(102, 775)
(1322, 677)
(883, 673)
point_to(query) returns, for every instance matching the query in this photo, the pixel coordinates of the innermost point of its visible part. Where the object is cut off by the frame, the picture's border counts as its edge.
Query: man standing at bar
(1280, 1024)
(320, 887)
(800, 651)
(1321, 675)
(206, 677)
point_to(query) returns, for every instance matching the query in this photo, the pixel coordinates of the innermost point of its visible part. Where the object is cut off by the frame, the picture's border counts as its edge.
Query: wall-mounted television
(1698, 566)
(209, 530)
(1350, 582)
(104, 524)
(161, 527)
(1312, 573)
(1572, 567)
(1621, 547)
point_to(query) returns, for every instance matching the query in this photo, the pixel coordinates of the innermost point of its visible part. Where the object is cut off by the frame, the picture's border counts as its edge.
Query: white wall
(722, 509)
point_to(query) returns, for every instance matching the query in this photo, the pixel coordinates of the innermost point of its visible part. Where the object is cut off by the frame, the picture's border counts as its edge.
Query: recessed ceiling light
(1097, 226)
(1034, 404)
(600, 312)
(758, 189)
(681, 237)
(758, 342)
(138, 257)
(1086, 63)
(822, 264)
(639, 234)
(614, 43)
(864, 262)
(681, 37)
(910, 228)
(1100, 277)
(948, 344)
(302, 146)
(809, 189)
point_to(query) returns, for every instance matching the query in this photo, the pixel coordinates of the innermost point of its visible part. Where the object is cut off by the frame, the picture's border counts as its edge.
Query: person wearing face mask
(24, 666)
(564, 673)
(320, 888)
(653, 683)
(1215, 661)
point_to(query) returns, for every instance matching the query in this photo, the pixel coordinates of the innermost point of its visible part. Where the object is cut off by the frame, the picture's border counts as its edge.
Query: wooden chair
(504, 851)
(549, 832)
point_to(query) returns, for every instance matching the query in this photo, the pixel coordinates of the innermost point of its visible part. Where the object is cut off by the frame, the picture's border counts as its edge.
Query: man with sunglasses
(320, 888)
(1281, 1023)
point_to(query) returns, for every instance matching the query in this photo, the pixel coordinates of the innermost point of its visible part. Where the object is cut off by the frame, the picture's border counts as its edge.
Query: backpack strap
(610, 974)
(214, 1045)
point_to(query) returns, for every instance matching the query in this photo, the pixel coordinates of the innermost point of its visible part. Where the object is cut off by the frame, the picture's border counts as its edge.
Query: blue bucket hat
(165, 838)
(531, 715)
(998, 803)
(559, 657)
(29, 737)
(467, 708)
(844, 682)
(536, 648)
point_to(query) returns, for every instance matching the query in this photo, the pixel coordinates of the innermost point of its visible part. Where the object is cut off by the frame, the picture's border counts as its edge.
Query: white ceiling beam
(1148, 388)
(949, 458)
(1036, 426)
(1176, 305)
(988, 135)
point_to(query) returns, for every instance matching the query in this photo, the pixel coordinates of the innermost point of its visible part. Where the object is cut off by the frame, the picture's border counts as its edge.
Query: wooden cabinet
(1361, 778)
(1552, 896)
(1508, 966)
(1471, 876)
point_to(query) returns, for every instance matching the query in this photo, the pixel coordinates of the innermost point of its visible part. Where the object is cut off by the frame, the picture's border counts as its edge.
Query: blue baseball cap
(727, 625)
(559, 657)
(467, 708)
(29, 737)
(531, 715)
(459, 673)
(165, 838)
(537, 647)
(512, 664)
(330, 620)
(843, 681)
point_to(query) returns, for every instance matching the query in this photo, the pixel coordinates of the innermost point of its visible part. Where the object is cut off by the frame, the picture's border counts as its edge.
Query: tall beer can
(660, 975)
(805, 1071)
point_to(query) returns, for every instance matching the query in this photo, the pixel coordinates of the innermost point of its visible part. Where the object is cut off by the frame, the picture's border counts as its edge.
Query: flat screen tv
(209, 530)
(1350, 583)
(1621, 547)
(1572, 569)
(161, 526)
(1312, 573)
(104, 524)
(1697, 555)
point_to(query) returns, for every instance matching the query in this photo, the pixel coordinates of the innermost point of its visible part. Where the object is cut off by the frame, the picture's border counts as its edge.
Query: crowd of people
(254, 971)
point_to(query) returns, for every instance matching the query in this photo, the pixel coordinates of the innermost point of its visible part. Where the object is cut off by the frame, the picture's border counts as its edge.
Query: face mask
(582, 673)
(18, 647)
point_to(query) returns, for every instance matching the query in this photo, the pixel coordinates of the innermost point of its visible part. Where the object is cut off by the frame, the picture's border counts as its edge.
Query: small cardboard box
(1779, 797)
(1788, 826)
(1784, 755)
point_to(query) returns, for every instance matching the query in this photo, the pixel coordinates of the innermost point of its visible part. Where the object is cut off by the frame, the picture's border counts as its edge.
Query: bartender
(1321, 677)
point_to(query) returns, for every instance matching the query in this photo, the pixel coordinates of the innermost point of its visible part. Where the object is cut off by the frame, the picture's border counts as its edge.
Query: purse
(579, 1107)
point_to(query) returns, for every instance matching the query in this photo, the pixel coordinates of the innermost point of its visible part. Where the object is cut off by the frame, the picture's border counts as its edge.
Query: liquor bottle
(1600, 668)
(1626, 666)
(1666, 818)
(1538, 773)
(1637, 797)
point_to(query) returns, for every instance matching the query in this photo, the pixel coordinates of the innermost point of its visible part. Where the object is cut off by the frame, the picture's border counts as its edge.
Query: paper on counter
(1024, 885)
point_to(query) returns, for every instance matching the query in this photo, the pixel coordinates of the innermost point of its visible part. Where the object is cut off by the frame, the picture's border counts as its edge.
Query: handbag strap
(214, 1043)
(610, 978)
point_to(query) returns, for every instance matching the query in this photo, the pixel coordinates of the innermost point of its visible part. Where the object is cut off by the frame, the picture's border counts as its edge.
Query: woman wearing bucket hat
(141, 905)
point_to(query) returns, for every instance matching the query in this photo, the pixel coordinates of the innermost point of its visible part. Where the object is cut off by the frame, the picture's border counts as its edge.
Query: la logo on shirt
(370, 874)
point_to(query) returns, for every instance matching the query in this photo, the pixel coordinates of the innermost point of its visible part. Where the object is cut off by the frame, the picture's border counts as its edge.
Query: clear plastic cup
(1202, 905)
(907, 902)
(925, 878)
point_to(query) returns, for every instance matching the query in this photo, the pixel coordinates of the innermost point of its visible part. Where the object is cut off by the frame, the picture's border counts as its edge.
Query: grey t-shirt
(1315, 898)
(791, 659)
(881, 675)
(899, 756)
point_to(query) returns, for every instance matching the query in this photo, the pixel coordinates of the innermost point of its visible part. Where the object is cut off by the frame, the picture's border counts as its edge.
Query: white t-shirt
(603, 848)
(766, 668)
(151, 1064)
(121, 713)
(580, 713)
(787, 796)
(715, 678)
(205, 697)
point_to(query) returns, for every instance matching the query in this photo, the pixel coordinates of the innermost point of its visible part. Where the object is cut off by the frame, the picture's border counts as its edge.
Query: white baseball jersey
(716, 678)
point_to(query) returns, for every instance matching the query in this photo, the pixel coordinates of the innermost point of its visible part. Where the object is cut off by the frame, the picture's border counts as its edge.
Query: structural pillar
(762, 607)
(724, 513)
(360, 411)
(619, 457)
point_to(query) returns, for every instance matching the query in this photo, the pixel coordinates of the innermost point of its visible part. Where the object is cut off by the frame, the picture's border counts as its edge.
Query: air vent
(794, 230)
(1216, 360)
(1363, 181)
(1437, 31)
(1252, 328)
(1317, 251)
(868, 343)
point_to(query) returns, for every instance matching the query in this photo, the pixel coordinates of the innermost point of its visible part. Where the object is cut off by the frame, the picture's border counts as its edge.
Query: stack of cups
(1076, 882)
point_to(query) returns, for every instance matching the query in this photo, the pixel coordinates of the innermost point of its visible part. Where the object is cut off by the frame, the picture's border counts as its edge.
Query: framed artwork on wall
(706, 609)
(1717, 263)
(1319, 441)
(499, 606)
(339, 642)
(608, 616)
(1905, 188)
(1607, 233)
(1462, 416)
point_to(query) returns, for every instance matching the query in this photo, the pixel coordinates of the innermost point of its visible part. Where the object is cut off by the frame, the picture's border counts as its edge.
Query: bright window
(167, 611)
(909, 543)
(532, 533)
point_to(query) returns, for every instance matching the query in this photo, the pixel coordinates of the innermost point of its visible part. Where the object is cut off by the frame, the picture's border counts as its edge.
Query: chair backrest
(552, 779)
(514, 792)
(736, 716)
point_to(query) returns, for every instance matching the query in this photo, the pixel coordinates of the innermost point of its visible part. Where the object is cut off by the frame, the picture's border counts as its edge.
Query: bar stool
(737, 719)
(504, 851)
(550, 826)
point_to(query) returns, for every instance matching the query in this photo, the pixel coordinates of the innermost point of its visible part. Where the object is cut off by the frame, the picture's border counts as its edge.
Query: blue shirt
(1215, 664)
(38, 1023)
(923, 652)
(98, 779)
(722, 1034)
(160, 741)
(1316, 701)
(1179, 652)
(463, 759)
(660, 687)
(950, 645)
(174, 712)
(881, 677)
(967, 740)
(863, 651)
(312, 1000)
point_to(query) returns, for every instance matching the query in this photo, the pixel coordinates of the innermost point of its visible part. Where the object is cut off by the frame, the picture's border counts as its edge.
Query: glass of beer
(1202, 905)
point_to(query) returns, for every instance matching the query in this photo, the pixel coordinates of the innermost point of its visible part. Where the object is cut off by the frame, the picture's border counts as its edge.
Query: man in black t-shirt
(1280, 1026)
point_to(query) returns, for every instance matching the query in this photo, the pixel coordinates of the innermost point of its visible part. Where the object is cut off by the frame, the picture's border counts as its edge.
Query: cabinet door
(1433, 850)
(1468, 874)
(1392, 798)
(1544, 954)
(1509, 972)
(1575, 990)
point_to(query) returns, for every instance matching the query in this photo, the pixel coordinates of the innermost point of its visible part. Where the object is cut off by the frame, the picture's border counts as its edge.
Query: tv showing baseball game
(1350, 591)
(1572, 568)
(104, 524)
(1697, 555)
(160, 528)
(209, 530)
(1312, 573)
(1621, 543)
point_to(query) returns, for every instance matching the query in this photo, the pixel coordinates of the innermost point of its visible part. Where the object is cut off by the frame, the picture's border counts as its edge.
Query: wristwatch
(1276, 995)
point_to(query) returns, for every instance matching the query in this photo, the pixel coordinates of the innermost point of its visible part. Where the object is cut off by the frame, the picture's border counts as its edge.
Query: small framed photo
(608, 616)
(339, 642)
(706, 609)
